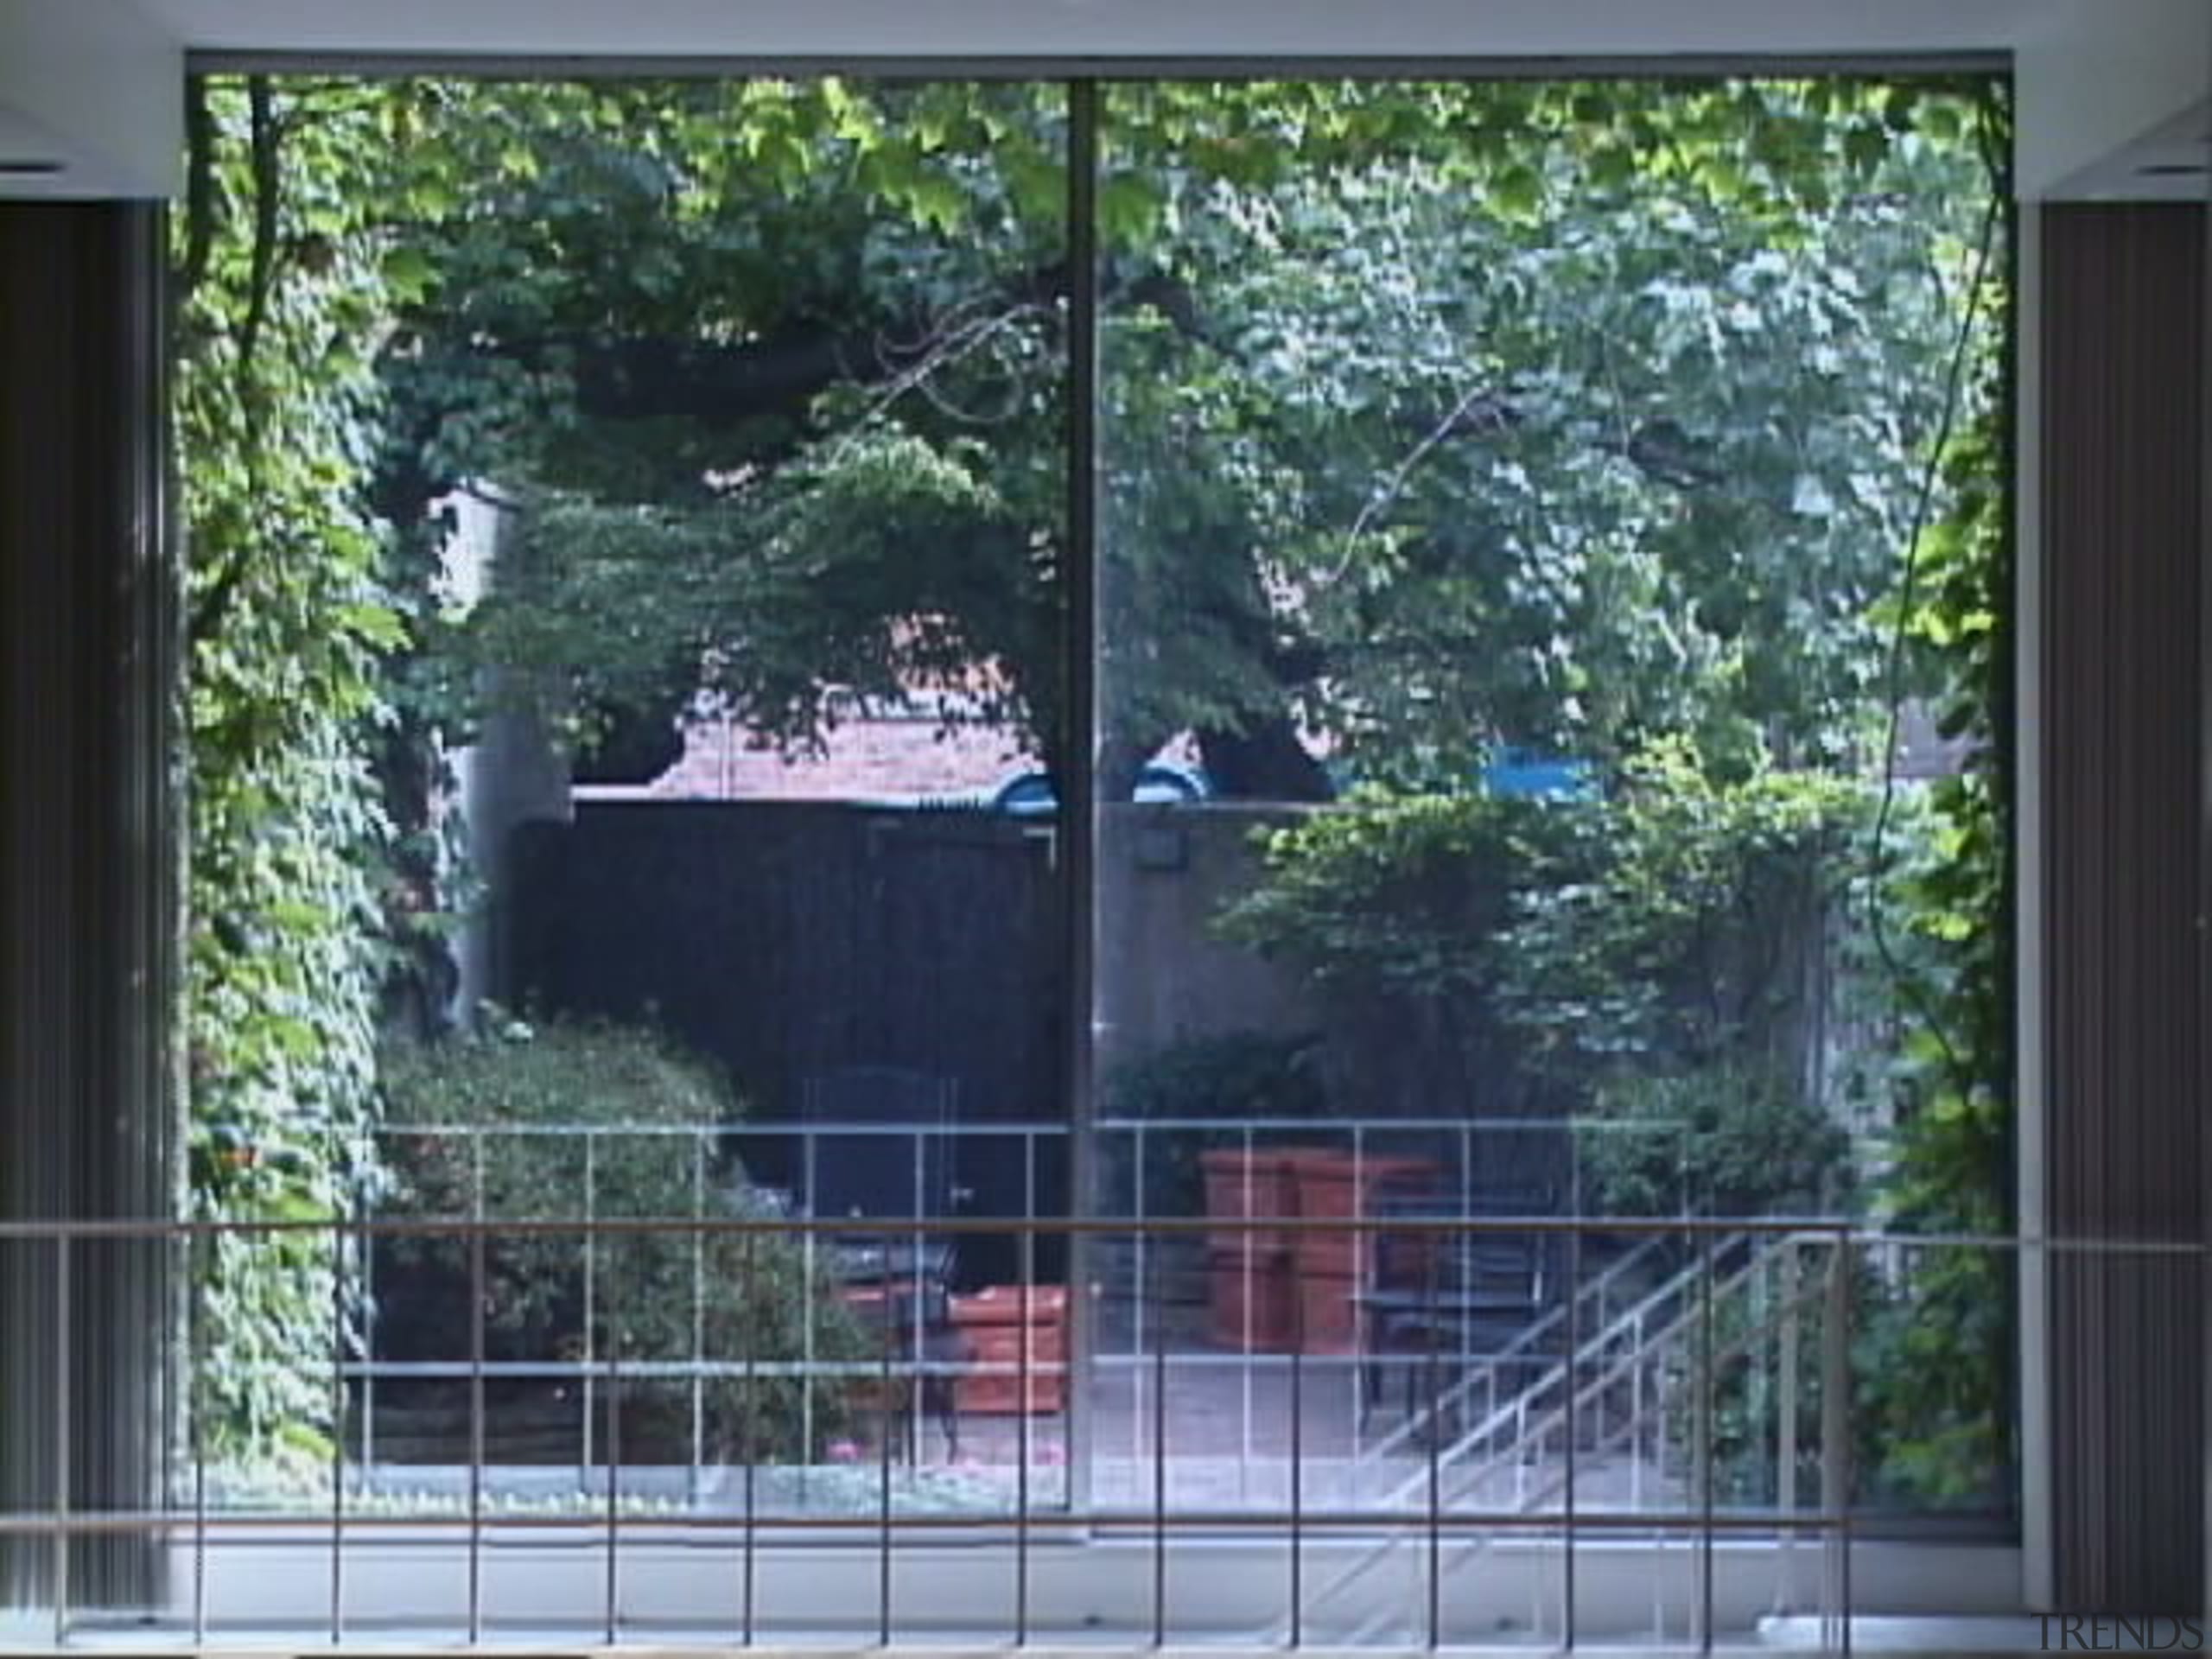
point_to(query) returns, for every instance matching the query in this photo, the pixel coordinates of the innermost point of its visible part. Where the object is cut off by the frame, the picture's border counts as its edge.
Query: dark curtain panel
(86, 888)
(2123, 1147)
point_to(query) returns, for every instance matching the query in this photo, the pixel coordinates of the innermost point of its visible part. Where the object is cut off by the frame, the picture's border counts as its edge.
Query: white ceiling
(97, 84)
(2168, 164)
(1118, 27)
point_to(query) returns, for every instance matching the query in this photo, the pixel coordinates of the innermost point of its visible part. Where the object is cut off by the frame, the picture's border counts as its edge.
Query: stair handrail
(1502, 1413)
(1521, 1345)
(1763, 1248)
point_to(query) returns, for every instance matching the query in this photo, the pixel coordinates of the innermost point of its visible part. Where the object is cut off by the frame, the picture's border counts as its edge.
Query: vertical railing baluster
(749, 1447)
(887, 1413)
(63, 1318)
(1706, 1391)
(1571, 1367)
(1297, 1488)
(1140, 1241)
(1639, 1363)
(1758, 1381)
(337, 1381)
(476, 1294)
(810, 1170)
(1836, 1427)
(1159, 1481)
(913, 1335)
(196, 1405)
(613, 1479)
(590, 1345)
(1029, 1278)
(367, 1268)
(1785, 1472)
(1434, 1570)
(1359, 1176)
(1068, 1310)
(698, 1314)
(1251, 1245)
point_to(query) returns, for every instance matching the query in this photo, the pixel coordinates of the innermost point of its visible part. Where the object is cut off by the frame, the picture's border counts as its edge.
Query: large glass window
(1529, 515)
(1167, 804)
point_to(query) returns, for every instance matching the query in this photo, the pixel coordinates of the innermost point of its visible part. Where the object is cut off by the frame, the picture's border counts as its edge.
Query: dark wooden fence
(794, 941)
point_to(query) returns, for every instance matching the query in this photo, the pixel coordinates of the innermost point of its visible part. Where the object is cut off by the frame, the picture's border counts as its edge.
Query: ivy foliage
(282, 301)
(1939, 1365)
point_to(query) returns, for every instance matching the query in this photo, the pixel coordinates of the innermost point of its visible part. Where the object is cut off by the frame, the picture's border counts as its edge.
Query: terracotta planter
(1332, 1267)
(1328, 1312)
(1248, 1185)
(1006, 1327)
(1001, 1396)
(1251, 1304)
(995, 1352)
(1008, 1304)
(1333, 1183)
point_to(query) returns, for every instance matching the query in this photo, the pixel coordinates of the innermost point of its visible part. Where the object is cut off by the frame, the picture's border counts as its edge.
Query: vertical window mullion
(1076, 786)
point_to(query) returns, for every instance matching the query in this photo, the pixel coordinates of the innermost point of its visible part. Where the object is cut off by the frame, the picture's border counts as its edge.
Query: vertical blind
(87, 912)
(2123, 1143)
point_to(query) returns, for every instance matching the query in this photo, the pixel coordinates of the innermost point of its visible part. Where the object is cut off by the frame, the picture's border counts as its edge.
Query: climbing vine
(280, 301)
(1940, 1383)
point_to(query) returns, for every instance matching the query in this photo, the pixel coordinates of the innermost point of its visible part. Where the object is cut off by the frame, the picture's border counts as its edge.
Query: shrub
(1726, 1139)
(654, 1296)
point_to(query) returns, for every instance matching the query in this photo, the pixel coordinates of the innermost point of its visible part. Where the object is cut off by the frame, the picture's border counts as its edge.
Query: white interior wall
(1060, 28)
(2106, 75)
(94, 84)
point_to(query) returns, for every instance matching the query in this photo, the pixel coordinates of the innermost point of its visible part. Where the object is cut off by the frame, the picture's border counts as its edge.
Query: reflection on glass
(1512, 498)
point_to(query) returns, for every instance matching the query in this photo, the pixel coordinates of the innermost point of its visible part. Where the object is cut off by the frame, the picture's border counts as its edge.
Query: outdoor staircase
(1609, 1363)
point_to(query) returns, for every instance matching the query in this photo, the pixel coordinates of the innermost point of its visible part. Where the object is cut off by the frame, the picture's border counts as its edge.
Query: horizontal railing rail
(1184, 1464)
(460, 1226)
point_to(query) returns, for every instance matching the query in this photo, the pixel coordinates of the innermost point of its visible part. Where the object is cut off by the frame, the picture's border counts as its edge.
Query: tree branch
(267, 186)
(961, 342)
(1395, 487)
(778, 373)
(206, 617)
(198, 188)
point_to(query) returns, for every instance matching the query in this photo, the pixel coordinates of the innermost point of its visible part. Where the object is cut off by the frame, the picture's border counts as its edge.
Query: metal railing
(717, 1180)
(1523, 1464)
(720, 1154)
(1669, 1326)
(1421, 1541)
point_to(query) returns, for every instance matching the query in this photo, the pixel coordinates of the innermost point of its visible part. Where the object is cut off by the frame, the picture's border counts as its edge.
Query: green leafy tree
(1597, 462)
(1543, 953)
(1641, 424)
